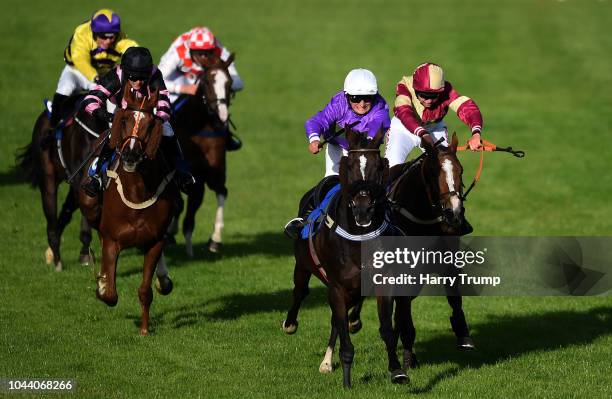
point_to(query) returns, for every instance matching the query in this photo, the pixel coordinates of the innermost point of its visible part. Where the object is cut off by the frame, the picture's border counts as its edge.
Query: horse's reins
(486, 146)
(134, 133)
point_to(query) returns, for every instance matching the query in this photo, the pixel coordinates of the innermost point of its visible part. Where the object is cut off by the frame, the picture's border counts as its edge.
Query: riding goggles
(357, 99)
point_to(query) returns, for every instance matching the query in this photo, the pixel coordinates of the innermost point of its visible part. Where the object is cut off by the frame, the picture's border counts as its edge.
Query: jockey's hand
(474, 142)
(189, 89)
(314, 147)
(427, 139)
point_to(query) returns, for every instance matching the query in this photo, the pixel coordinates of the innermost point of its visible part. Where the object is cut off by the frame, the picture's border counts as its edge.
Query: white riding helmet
(360, 82)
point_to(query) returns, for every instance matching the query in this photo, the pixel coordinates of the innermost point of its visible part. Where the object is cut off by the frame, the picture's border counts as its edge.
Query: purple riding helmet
(105, 21)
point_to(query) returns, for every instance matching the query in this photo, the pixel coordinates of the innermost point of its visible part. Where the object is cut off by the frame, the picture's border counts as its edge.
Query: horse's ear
(229, 60)
(152, 100)
(154, 139)
(115, 136)
(352, 137)
(343, 171)
(127, 93)
(377, 139)
(385, 172)
(427, 146)
(454, 142)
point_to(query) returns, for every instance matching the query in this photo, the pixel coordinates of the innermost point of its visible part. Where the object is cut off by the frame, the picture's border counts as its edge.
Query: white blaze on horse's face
(447, 166)
(362, 165)
(220, 82)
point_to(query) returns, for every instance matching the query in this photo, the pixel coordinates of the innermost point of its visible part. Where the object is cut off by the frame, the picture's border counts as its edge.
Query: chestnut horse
(46, 164)
(201, 123)
(333, 254)
(427, 200)
(138, 202)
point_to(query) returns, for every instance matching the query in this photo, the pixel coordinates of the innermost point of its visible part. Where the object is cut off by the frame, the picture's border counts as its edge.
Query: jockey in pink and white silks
(422, 101)
(186, 59)
(181, 69)
(359, 105)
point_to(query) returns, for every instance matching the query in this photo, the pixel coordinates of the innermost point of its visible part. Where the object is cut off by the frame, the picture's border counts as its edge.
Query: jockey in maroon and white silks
(422, 101)
(181, 70)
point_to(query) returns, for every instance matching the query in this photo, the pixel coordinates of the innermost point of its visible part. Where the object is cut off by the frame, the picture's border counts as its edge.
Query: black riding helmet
(137, 63)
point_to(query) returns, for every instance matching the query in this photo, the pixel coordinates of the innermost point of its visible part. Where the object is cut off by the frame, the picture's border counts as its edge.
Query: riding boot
(54, 119)
(233, 143)
(93, 186)
(171, 150)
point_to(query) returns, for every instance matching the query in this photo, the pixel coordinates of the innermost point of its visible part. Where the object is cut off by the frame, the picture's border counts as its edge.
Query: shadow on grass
(234, 306)
(12, 177)
(502, 338)
(272, 244)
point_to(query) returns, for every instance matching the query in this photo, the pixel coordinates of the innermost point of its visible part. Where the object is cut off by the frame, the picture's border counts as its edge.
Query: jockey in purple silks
(358, 106)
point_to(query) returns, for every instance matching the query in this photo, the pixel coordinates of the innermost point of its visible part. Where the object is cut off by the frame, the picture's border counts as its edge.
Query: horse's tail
(28, 165)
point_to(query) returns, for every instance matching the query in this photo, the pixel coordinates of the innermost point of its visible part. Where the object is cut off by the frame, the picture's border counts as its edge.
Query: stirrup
(93, 187)
(294, 227)
(233, 143)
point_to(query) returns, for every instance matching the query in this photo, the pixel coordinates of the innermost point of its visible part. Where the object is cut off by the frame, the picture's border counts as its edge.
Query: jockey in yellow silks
(94, 48)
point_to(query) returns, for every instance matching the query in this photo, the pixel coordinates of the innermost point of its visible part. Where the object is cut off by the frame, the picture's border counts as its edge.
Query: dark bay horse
(201, 123)
(137, 205)
(333, 254)
(46, 164)
(427, 201)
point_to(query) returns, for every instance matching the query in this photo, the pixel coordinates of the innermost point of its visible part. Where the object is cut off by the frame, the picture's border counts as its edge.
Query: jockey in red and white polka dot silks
(422, 101)
(179, 68)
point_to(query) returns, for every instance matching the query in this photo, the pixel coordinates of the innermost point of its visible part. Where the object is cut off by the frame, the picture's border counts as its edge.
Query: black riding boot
(233, 142)
(93, 187)
(54, 119)
(171, 150)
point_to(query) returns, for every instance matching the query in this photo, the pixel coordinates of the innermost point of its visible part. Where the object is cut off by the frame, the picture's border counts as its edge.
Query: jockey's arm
(95, 101)
(80, 48)
(469, 113)
(169, 67)
(163, 110)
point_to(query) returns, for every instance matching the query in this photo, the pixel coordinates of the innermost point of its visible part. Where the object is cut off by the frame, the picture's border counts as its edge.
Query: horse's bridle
(375, 196)
(439, 207)
(134, 133)
(208, 102)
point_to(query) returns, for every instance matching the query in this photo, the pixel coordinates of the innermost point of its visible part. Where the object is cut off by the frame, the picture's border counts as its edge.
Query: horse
(45, 165)
(137, 205)
(357, 213)
(201, 124)
(426, 200)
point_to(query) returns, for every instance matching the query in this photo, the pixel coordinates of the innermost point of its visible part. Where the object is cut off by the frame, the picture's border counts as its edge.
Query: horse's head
(441, 172)
(136, 133)
(214, 88)
(363, 177)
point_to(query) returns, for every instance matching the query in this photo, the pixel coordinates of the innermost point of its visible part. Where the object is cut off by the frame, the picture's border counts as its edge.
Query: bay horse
(427, 200)
(333, 254)
(201, 124)
(137, 205)
(46, 164)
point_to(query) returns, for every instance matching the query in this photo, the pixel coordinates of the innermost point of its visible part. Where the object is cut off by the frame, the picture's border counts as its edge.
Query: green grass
(539, 70)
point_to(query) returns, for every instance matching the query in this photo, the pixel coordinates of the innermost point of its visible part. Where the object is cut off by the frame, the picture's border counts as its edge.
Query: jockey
(187, 57)
(422, 100)
(94, 48)
(359, 106)
(138, 71)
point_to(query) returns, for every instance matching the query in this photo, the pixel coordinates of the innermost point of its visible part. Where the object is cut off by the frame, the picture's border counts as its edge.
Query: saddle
(317, 202)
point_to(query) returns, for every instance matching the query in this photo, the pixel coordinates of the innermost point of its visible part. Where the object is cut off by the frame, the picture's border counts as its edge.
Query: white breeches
(72, 81)
(400, 141)
(333, 154)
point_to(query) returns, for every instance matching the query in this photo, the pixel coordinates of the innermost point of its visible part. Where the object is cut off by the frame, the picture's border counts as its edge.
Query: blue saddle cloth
(317, 216)
(92, 167)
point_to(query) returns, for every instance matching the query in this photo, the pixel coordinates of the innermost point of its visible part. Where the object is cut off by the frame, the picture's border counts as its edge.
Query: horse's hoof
(85, 259)
(214, 246)
(169, 240)
(466, 343)
(410, 361)
(399, 377)
(291, 328)
(48, 256)
(58, 266)
(144, 332)
(164, 285)
(355, 326)
(325, 367)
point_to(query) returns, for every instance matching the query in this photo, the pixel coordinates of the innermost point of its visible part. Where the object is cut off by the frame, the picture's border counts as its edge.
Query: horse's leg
(85, 237)
(163, 284)
(407, 330)
(194, 200)
(337, 302)
(301, 278)
(71, 203)
(48, 194)
(107, 291)
(459, 324)
(214, 245)
(355, 317)
(389, 337)
(145, 293)
(326, 365)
